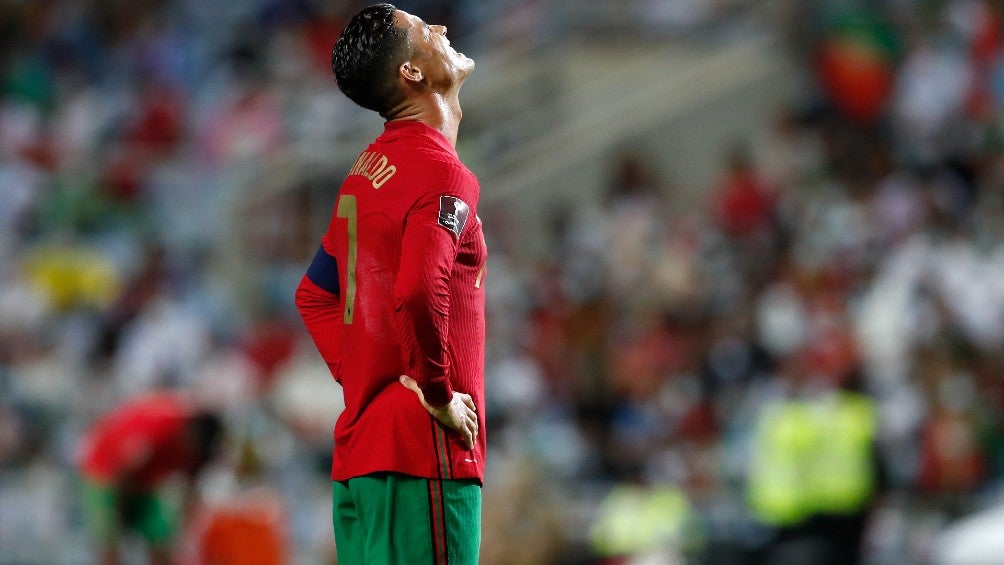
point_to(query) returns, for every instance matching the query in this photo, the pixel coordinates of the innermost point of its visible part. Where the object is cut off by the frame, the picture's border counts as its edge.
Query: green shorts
(389, 518)
(108, 513)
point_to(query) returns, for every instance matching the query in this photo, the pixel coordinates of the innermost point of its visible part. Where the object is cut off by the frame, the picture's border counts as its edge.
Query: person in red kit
(128, 454)
(394, 300)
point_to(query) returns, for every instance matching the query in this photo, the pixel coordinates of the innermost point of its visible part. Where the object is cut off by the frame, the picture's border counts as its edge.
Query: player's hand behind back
(458, 414)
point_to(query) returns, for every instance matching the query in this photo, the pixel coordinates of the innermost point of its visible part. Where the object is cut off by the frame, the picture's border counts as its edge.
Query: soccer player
(394, 300)
(128, 454)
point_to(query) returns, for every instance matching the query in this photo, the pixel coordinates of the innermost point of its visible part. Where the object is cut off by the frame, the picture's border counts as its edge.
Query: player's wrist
(437, 395)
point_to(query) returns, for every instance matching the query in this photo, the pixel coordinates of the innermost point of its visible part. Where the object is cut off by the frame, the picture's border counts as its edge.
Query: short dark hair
(366, 57)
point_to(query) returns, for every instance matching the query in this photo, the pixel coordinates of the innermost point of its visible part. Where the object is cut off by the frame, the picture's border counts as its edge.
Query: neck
(440, 111)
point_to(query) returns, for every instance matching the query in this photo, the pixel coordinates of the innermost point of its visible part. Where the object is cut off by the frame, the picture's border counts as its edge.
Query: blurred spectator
(952, 460)
(633, 221)
(813, 473)
(855, 61)
(246, 126)
(72, 276)
(638, 523)
(744, 205)
(930, 96)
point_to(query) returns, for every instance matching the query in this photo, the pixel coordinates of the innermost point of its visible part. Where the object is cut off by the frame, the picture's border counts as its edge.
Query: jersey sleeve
(432, 234)
(319, 303)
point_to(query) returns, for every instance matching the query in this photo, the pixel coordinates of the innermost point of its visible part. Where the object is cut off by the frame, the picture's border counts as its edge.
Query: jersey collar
(400, 128)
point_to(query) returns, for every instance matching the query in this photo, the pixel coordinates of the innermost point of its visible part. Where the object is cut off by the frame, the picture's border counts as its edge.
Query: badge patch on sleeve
(453, 214)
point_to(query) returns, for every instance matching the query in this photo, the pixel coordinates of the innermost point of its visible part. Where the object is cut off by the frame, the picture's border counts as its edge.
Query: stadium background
(693, 206)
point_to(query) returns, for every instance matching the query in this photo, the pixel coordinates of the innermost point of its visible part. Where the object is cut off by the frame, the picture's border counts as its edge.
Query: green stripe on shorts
(389, 518)
(442, 449)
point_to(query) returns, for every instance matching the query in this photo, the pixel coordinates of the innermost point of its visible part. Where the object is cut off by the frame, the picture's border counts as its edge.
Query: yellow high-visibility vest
(778, 480)
(812, 456)
(843, 476)
(634, 519)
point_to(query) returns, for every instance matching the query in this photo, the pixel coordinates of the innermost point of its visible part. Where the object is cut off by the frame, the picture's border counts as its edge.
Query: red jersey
(397, 287)
(144, 439)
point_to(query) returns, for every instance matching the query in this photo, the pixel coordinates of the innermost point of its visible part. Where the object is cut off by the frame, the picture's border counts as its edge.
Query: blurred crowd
(806, 367)
(637, 376)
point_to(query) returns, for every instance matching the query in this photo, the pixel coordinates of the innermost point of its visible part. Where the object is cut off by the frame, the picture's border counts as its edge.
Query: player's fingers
(469, 402)
(470, 420)
(410, 383)
(469, 435)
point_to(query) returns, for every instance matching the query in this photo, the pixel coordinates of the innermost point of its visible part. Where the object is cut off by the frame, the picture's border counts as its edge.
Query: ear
(410, 72)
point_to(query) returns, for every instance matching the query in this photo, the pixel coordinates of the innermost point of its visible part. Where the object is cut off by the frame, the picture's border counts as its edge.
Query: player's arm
(422, 304)
(319, 302)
